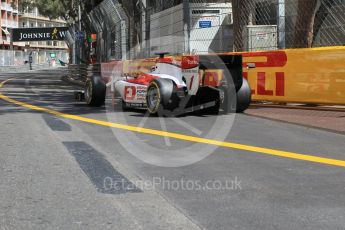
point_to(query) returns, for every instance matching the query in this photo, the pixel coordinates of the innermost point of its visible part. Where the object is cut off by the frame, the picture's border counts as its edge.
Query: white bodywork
(135, 94)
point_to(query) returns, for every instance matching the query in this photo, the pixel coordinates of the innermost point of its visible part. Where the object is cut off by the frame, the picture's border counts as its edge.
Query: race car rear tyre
(236, 102)
(95, 91)
(159, 97)
(244, 97)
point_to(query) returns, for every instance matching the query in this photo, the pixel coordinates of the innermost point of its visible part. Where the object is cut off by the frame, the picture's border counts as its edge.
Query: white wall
(168, 32)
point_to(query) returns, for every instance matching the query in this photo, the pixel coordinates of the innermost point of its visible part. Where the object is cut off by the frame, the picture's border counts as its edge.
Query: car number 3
(130, 92)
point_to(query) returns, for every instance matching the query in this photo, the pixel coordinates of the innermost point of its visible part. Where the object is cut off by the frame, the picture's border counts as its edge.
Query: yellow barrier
(315, 76)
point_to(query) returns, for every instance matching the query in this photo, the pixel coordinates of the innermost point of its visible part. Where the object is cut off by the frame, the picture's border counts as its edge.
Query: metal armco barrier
(80, 73)
(312, 76)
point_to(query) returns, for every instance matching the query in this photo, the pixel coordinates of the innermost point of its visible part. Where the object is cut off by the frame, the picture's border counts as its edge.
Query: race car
(170, 85)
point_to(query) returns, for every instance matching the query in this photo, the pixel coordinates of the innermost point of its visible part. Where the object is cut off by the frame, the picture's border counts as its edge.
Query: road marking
(266, 151)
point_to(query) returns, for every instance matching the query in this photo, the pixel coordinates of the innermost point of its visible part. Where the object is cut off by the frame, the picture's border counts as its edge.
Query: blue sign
(205, 24)
(80, 36)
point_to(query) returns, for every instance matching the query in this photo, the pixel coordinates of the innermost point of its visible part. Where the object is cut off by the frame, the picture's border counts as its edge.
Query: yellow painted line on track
(266, 151)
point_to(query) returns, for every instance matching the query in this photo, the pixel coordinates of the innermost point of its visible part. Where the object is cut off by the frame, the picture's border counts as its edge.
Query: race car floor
(65, 165)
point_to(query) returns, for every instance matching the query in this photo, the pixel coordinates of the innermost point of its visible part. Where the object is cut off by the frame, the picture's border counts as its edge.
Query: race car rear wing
(221, 67)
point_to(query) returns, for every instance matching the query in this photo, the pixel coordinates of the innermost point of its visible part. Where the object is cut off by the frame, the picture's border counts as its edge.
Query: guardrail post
(281, 23)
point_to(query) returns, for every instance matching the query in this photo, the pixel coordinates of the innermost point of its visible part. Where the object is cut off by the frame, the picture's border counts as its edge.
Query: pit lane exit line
(266, 151)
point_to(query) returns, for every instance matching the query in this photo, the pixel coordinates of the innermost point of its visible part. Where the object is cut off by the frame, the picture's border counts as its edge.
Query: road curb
(296, 123)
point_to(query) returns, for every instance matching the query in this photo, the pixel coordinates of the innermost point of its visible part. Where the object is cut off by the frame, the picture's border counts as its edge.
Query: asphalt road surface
(64, 165)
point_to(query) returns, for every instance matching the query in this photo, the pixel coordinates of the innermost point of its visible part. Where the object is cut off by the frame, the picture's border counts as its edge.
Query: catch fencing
(11, 58)
(279, 24)
(110, 22)
(17, 58)
(139, 29)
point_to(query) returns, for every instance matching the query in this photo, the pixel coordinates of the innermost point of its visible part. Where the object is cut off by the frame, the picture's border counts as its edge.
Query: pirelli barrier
(312, 76)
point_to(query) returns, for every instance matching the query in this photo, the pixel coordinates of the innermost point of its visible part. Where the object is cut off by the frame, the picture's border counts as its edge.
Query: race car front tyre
(159, 96)
(95, 91)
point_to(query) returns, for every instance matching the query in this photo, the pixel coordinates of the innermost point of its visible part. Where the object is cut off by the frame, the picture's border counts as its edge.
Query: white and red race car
(171, 85)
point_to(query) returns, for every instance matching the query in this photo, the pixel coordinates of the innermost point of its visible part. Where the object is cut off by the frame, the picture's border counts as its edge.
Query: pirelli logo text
(264, 72)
